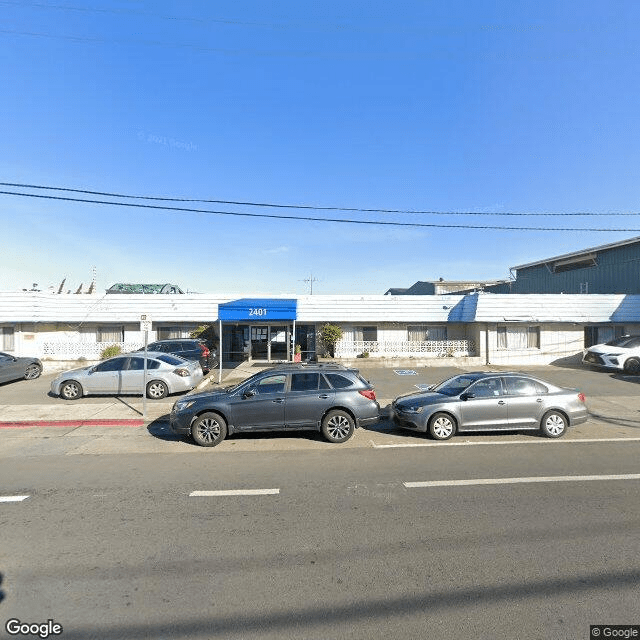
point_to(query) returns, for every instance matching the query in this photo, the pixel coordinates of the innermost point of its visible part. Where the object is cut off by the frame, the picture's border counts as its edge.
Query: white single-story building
(482, 328)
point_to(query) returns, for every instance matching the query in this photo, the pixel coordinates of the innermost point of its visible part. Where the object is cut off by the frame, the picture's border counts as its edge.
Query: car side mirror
(467, 395)
(249, 393)
(93, 370)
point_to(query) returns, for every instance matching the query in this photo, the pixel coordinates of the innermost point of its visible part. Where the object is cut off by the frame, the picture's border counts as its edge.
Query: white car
(622, 353)
(124, 374)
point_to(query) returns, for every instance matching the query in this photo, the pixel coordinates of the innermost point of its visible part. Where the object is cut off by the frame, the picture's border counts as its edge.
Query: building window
(365, 334)
(8, 340)
(533, 337)
(169, 333)
(517, 338)
(110, 333)
(424, 332)
(600, 334)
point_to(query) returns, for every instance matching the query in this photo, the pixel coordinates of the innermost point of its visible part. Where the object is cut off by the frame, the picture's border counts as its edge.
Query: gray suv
(323, 397)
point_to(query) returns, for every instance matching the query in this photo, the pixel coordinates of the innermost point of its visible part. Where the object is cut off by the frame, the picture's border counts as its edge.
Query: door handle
(279, 400)
(324, 396)
(539, 400)
(500, 401)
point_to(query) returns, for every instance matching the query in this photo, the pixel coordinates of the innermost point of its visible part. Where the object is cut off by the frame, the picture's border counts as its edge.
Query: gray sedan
(125, 375)
(12, 368)
(490, 401)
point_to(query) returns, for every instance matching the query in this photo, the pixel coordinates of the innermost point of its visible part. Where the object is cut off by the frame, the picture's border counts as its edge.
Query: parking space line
(235, 492)
(485, 481)
(401, 445)
(13, 498)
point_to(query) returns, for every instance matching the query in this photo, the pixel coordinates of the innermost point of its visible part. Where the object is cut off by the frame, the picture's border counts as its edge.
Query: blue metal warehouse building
(608, 269)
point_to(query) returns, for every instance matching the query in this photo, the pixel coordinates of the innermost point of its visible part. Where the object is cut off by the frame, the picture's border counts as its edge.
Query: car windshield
(454, 386)
(247, 382)
(620, 342)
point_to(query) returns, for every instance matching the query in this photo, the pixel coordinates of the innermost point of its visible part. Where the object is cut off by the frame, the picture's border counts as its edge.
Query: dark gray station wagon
(327, 398)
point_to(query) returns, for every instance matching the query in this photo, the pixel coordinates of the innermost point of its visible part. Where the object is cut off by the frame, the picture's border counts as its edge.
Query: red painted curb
(72, 423)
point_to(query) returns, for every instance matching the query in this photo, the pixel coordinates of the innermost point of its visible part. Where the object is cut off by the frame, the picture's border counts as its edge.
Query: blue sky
(487, 107)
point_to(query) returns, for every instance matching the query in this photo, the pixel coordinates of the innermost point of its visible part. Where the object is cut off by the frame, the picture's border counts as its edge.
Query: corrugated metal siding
(557, 308)
(617, 271)
(47, 307)
(377, 308)
(483, 307)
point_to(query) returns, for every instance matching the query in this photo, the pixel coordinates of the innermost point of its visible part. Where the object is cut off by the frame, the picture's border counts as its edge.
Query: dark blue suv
(328, 398)
(189, 348)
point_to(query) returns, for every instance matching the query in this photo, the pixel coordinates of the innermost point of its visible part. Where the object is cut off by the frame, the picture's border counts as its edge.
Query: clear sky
(482, 107)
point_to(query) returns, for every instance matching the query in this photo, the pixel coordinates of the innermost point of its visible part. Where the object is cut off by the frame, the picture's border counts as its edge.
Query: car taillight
(368, 393)
(205, 351)
(183, 373)
(581, 397)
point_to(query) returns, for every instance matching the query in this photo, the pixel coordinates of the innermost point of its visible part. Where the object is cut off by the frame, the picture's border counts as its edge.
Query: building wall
(617, 271)
(36, 322)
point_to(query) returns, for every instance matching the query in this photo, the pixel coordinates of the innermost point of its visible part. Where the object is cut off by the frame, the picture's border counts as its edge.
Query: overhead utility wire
(311, 207)
(307, 218)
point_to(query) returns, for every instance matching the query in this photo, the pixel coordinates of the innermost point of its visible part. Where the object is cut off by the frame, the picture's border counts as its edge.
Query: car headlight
(412, 409)
(181, 405)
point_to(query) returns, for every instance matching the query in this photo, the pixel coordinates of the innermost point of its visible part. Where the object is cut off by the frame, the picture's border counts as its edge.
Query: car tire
(338, 426)
(632, 366)
(442, 426)
(209, 429)
(32, 372)
(156, 390)
(554, 424)
(71, 390)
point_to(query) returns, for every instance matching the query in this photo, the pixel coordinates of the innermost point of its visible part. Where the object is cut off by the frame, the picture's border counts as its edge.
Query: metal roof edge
(574, 254)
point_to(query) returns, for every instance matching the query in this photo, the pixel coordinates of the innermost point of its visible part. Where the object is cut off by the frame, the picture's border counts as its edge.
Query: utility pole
(310, 280)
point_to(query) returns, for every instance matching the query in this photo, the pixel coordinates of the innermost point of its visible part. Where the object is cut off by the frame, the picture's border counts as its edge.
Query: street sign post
(145, 327)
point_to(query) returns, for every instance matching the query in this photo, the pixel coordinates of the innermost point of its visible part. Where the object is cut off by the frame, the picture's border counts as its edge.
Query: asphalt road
(114, 546)
(100, 532)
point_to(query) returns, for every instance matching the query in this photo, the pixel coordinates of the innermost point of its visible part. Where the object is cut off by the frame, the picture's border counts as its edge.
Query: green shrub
(110, 351)
(330, 334)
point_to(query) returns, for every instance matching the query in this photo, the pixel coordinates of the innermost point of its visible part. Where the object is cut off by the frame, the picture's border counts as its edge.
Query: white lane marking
(459, 483)
(235, 492)
(475, 444)
(13, 498)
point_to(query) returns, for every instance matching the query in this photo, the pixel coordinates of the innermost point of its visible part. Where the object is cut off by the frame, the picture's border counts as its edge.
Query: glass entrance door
(259, 342)
(278, 343)
(270, 342)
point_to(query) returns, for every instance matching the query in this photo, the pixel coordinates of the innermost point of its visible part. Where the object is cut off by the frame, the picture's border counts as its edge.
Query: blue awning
(258, 310)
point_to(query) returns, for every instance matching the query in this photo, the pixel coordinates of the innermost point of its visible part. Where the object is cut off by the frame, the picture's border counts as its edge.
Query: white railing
(89, 350)
(406, 348)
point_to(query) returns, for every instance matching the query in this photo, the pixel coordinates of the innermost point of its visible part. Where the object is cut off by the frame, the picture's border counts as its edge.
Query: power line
(308, 218)
(312, 207)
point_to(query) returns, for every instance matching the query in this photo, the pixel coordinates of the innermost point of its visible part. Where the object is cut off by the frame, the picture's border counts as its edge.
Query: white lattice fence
(89, 350)
(400, 348)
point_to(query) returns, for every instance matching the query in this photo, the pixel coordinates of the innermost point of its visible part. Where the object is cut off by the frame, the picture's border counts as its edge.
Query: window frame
(109, 328)
(526, 333)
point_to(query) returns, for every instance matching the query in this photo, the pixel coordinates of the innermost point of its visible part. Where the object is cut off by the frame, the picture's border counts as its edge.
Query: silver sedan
(490, 401)
(125, 375)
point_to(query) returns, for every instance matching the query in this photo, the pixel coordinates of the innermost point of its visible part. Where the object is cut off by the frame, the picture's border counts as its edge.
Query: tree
(206, 332)
(330, 334)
